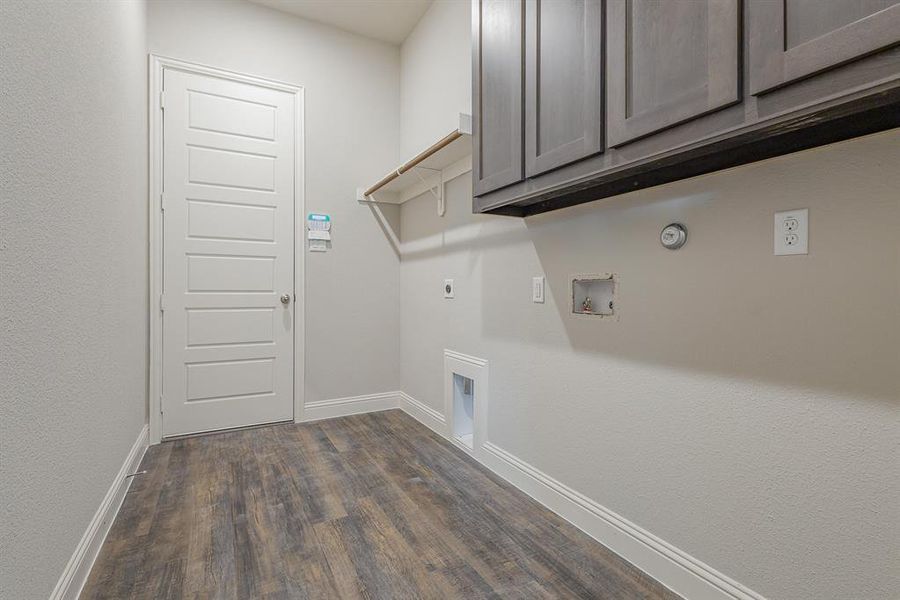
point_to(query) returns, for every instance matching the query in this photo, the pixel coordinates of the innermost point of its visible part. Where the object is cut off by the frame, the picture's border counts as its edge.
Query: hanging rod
(416, 160)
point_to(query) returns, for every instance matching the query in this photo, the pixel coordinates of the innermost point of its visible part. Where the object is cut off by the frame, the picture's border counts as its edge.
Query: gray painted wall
(744, 407)
(73, 284)
(74, 237)
(438, 52)
(352, 135)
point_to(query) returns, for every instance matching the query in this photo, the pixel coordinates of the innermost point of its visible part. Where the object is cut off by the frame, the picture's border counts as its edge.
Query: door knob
(285, 298)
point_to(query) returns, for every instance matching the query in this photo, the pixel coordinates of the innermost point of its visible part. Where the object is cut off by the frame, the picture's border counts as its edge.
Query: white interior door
(228, 254)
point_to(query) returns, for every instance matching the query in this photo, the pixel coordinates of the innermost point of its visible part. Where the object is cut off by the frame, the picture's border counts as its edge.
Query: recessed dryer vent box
(465, 400)
(463, 410)
(594, 295)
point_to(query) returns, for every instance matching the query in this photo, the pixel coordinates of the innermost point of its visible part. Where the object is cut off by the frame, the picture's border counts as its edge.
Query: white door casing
(228, 194)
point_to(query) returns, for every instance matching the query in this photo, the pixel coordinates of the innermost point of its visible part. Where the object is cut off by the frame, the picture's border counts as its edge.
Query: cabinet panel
(564, 80)
(669, 62)
(793, 39)
(497, 28)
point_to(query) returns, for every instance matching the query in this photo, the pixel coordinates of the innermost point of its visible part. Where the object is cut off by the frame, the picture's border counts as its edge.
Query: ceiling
(386, 20)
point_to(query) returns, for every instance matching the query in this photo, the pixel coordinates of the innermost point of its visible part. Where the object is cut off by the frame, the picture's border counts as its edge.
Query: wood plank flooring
(368, 506)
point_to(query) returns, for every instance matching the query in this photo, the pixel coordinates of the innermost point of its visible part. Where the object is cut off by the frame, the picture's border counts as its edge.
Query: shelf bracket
(436, 190)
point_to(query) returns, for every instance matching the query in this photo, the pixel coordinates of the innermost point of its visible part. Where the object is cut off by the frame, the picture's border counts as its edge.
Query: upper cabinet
(669, 62)
(577, 100)
(793, 39)
(563, 82)
(497, 62)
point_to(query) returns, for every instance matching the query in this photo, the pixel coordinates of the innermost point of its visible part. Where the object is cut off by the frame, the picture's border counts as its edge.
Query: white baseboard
(431, 418)
(351, 405)
(79, 567)
(674, 568)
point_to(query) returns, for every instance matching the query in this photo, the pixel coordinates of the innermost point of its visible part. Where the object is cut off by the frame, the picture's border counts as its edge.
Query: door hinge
(162, 303)
(162, 100)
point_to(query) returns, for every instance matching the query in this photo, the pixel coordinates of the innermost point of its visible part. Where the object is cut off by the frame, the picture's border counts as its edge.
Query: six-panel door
(228, 243)
(793, 39)
(564, 82)
(669, 62)
(497, 27)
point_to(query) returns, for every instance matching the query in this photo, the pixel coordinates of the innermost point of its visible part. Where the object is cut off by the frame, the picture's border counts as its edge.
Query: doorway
(229, 322)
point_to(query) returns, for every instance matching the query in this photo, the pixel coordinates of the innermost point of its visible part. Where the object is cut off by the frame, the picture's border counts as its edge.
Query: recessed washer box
(594, 295)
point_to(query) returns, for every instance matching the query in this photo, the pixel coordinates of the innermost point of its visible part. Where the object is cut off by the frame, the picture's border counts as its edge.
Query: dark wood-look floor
(369, 506)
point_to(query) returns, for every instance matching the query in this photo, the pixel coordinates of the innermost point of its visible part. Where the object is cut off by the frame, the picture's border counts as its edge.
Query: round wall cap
(673, 236)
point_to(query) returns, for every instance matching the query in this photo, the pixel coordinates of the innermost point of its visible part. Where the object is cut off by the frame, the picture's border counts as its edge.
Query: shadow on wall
(388, 219)
(722, 304)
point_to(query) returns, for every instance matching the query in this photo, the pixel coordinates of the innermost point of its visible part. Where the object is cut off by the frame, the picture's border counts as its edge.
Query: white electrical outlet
(448, 288)
(537, 290)
(792, 232)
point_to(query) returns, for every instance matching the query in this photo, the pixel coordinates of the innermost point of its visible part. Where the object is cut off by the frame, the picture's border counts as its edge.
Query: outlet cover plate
(448, 288)
(537, 290)
(792, 232)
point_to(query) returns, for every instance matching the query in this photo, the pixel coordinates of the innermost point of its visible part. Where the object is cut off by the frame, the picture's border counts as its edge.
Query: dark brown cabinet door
(793, 39)
(497, 154)
(669, 61)
(564, 82)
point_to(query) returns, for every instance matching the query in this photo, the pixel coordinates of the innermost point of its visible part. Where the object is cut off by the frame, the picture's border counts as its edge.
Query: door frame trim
(157, 64)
